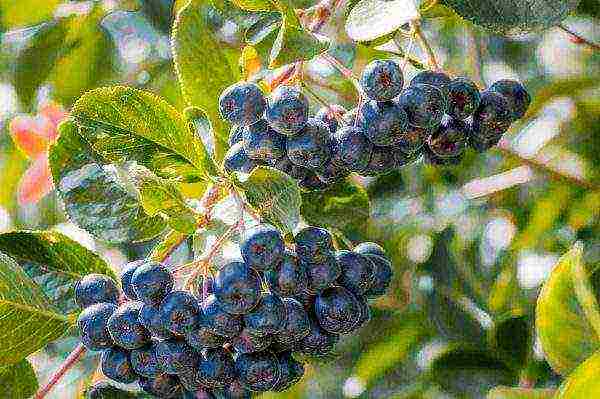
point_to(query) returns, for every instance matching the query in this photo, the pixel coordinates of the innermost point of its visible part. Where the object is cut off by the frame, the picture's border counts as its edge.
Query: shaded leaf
(18, 381)
(22, 13)
(511, 340)
(583, 382)
(520, 393)
(160, 13)
(254, 5)
(29, 320)
(567, 317)
(292, 44)
(371, 19)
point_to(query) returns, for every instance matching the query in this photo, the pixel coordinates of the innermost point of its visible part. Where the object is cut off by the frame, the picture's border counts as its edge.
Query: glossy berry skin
(152, 282)
(332, 172)
(384, 123)
(285, 165)
(358, 272)
(383, 276)
(424, 104)
(493, 117)
(330, 115)
(236, 160)
(262, 247)
(382, 80)
(236, 134)
(258, 372)
(515, 93)
(322, 275)
(234, 390)
(313, 244)
(287, 110)
(351, 148)
(463, 98)
(95, 288)
(370, 248)
(436, 79)
(125, 328)
(145, 362)
(312, 182)
(413, 140)
(289, 276)
(93, 325)
(291, 372)
(115, 364)
(318, 342)
(215, 369)
(202, 337)
(150, 318)
(382, 161)
(179, 311)
(337, 310)
(237, 288)
(262, 143)
(267, 317)
(175, 356)
(163, 386)
(126, 275)
(450, 139)
(242, 103)
(295, 324)
(218, 320)
(311, 146)
(250, 342)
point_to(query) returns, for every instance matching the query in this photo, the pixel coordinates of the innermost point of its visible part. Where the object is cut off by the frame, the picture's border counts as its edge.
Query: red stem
(578, 39)
(69, 362)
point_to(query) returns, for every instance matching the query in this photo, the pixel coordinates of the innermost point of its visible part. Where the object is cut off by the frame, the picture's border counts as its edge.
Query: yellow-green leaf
(17, 381)
(520, 393)
(21, 13)
(583, 383)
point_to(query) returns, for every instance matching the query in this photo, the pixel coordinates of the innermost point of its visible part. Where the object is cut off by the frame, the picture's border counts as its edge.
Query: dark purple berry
(318, 342)
(515, 93)
(432, 159)
(267, 317)
(289, 276)
(482, 144)
(493, 117)
(250, 342)
(365, 312)
(332, 172)
(202, 393)
(337, 310)
(104, 390)
(295, 325)
(237, 287)
(402, 159)
(413, 140)
(351, 148)
(424, 104)
(236, 160)
(463, 98)
(215, 369)
(203, 337)
(382, 161)
(93, 325)
(163, 386)
(291, 372)
(330, 116)
(382, 80)
(450, 139)
(175, 356)
(358, 272)
(311, 146)
(218, 320)
(322, 275)
(115, 364)
(236, 134)
(179, 311)
(383, 275)
(150, 318)
(370, 248)
(152, 282)
(95, 288)
(258, 372)
(262, 247)
(242, 103)
(313, 244)
(126, 275)
(436, 79)
(285, 165)
(262, 143)
(145, 362)
(125, 328)
(287, 110)
(384, 123)
(234, 390)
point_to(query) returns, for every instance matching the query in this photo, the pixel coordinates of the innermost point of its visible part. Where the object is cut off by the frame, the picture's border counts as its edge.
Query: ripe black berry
(337, 310)
(357, 271)
(236, 160)
(151, 282)
(450, 139)
(463, 98)
(179, 312)
(330, 116)
(164, 386)
(215, 369)
(262, 143)
(234, 390)
(318, 342)
(351, 148)
(249, 342)
(493, 117)
(218, 321)
(258, 372)
(289, 276)
(515, 93)
(126, 275)
(295, 324)
(285, 165)
(332, 172)
(313, 244)
(424, 104)
(150, 318)
(125, 328)
(262, 247)
(235, 134)
(384, 123)
(311, 146)
(287, 110)
(322, 275)
(382, 80)
(237, 286)
(291, 371)
(370, 248)
(203, 337)
(242, 103)
(115, 364)
(145, 362)
(436, 79)
(382, 161)
(383, 276)
(93, 325)
(175, 356)
(267, 317)
(95, 288)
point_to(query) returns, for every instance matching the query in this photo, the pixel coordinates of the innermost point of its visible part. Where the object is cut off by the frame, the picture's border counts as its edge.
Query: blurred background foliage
(471, 244)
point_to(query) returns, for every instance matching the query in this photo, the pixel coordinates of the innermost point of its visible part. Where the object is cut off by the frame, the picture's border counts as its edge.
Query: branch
(416, 28)
(69, 362)
(577, 39)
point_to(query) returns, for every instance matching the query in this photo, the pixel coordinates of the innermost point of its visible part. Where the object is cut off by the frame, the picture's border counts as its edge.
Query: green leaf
(275, 195)
(170, 241)
(160, 13)
(205, 64)
(29, 320)
(292, 44)
(344, 206)
(511, 17)
(371, 19)
(567, 317)
(511, 340)
(254, 5)
(520, 393)
(22, 13)
(127, 124)
(18, 381)
(583, 382)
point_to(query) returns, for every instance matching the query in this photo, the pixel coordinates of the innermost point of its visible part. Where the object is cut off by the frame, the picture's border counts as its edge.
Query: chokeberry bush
(290, 199)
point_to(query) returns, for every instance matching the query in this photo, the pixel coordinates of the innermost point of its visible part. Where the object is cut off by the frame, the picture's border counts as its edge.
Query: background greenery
(472, 244)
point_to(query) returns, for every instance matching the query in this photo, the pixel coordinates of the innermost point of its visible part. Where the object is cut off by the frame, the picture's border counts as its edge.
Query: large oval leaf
(520, 393)
(583, 382)
(567, 318)
(19, 14)
(18, 381)
(29, 320)
(371, 19)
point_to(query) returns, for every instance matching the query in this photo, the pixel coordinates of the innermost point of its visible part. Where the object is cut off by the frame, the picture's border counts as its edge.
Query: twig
(432, 60)
(69, 362)
(321, 101)
(243, 205)
(577, 39)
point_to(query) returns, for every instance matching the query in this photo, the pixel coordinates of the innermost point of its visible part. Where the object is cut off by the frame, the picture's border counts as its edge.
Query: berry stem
(69, 362)
(432, 60)
(321, 101)
(578, 39)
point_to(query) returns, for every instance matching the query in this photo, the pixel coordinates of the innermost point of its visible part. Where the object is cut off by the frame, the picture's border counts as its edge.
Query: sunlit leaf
(520, 393)
(17, 381)
(583, 382)
(371, 19)
(22, 13)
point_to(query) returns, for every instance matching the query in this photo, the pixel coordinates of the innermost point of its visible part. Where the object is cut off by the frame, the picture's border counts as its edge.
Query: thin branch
(69, 362)
(432, 60)
(577, 39)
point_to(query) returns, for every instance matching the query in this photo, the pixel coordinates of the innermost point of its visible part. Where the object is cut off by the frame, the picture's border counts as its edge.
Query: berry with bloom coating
(436, 79)
(287, 110)
(450, 139)
(249, 342)
(383, 276)
(179, 312)
(330, 116)
(242, 103)
(382, 80)
(237, 288)
(358, 272)
(337, 310)
(424, 104)
(236, 134)
(262, 143)
(515, 93)
(236, 160)
(351, 148)
(384, 123)
(463, 98)
(125, 328)
(126, 275)
(115, 364)
(234, 390)
(258, 372)
(151, 282)
(295, 324)
(93, 325)
(150, 318)
(218, 320)
(175, 356)
(291, 371)
(313, 244)
(145, 362)
(95, 288)
(370, 248)
(289, 276)
(413, 140)
(267, 317)
(318, 342)
(322, 275)
(215, 369)
(493, 117)
(203, 337)
(164, 386)
(262, 247)
(285, 165)
(332, 172)
(382, 161)
(311, 146)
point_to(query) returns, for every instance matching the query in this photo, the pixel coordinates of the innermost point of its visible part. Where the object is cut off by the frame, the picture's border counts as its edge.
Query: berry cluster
(435, 116)
(240, 338)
